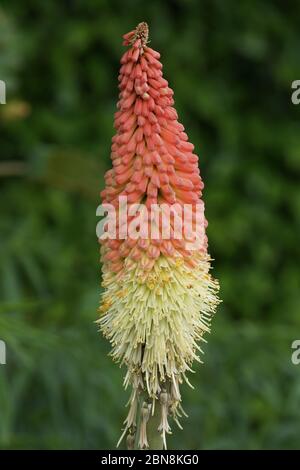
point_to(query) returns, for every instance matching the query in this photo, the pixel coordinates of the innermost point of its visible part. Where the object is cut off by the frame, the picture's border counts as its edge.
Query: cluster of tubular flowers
(158, 295)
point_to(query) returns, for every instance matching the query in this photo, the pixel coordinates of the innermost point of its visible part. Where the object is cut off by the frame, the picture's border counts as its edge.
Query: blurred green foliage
(231, 65)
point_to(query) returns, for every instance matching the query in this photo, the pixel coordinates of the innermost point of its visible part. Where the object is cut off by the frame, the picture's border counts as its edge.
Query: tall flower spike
(159, 296)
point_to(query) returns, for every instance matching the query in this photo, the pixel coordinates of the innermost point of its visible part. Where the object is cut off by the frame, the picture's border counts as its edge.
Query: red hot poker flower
(159, 295)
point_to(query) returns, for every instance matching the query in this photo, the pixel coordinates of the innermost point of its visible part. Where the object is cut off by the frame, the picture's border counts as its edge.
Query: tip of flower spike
(140, 33)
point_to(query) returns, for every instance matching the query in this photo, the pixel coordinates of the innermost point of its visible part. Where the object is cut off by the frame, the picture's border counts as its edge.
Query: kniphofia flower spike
(159, 296)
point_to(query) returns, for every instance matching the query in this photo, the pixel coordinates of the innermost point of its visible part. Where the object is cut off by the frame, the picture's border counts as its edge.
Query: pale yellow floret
(155, 325)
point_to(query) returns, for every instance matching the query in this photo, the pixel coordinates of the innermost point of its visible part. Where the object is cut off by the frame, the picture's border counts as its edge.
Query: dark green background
(231, 65)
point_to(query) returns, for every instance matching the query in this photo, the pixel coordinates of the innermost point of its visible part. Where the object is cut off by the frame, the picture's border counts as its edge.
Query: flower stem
(154, 437)
(155, 440)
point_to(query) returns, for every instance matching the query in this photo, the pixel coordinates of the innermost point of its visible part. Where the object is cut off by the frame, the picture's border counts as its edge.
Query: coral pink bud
(138, 90)
(150, 202)
(156, 128)
(193, 158)
(167, 248)
(142, 186)
(147, 159)
(141, 120)
(119, 169)
(127, 158)
(121, 179)
(153, 61)
(170, 198)
(144, 64)
(151, 104)
(131, 242)
(116, 267)
(137, 176)
(124, 138)
(131, 146)
(124, 58)
(135, 55)
(153, 252)
(183, 136)
(154, 53)
(186, 196)
(162, 168)
(187, 146)
(138, 163)
(138, 71)
(152, 190)
(113, 244)
(116, 162)
(156, 242)
(147, 264)
(108, 173)
(164, 91)
(134, 197)
(151, 72)
(170, 113)
(144, 243)
(157, 140)
(154, 83)
(148, 170)
(129, 124)
(152, 118)
(166, 189)
(124, 95)
(169, 136)
(182, 183)
(155, 179)
(181, 157)
(128, 36)
(129, 101)
(138, 107)
(187, 168)
(139, 134)
(112, 255)
(135, 254)
(147, 129)
(185, 183)
(140, 148)
(167, 158)
(159, 112)
(150, 144)
(130, 187)
(144, 78)
(137, 44)
(164, 179)
(145, 109)
(156, 160)
(154, 93)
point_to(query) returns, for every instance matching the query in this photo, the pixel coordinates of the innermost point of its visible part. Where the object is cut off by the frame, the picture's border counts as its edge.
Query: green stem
(154, 438)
